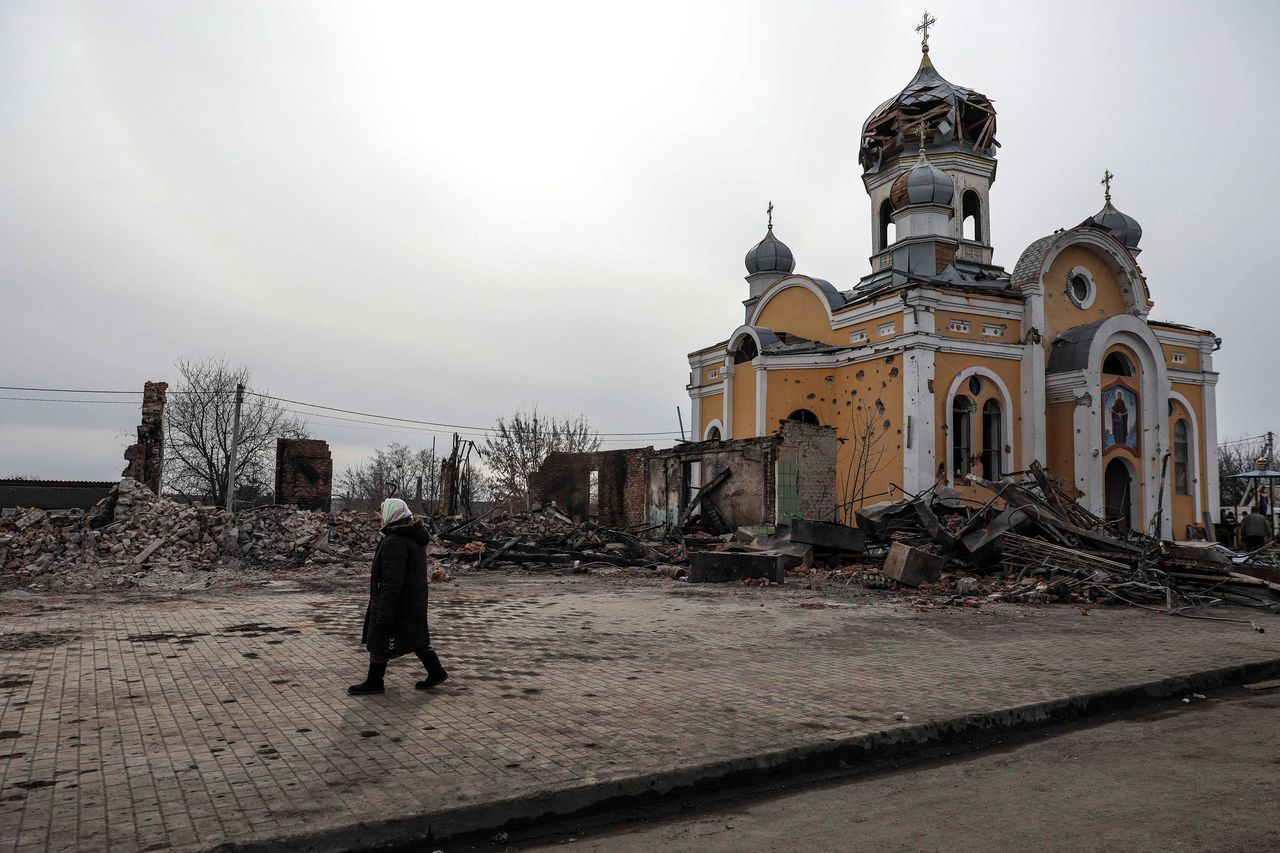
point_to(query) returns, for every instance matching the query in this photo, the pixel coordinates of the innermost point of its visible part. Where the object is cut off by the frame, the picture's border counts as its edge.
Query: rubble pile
(134, 538)
(549, 539)
(1049, 548)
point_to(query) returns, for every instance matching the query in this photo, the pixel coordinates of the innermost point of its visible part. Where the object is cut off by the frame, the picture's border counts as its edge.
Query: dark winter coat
(395, 622)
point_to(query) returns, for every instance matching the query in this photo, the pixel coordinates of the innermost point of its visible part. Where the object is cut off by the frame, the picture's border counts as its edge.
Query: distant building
(939, 363)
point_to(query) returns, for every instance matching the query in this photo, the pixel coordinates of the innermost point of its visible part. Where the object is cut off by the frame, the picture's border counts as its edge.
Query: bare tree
(198, 422)
(396, 471)
(520, 443)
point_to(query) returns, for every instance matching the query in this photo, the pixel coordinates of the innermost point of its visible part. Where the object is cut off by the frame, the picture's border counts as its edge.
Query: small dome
(1120, 225)
(770, 255)
(922, 184)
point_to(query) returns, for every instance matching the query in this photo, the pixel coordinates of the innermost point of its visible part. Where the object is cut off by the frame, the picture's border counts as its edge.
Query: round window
(1080, 289)
(975, 385)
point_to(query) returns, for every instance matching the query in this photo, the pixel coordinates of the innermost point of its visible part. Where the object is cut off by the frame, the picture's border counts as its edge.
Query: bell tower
(958, 126)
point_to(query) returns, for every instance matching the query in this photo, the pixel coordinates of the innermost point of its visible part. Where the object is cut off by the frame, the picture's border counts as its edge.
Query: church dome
(1122, 226)
(770, 255)
(922, 184)
(958, 119)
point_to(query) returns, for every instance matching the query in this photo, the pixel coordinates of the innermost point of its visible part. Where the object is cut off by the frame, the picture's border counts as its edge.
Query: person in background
(1256, 528)
(395, 622)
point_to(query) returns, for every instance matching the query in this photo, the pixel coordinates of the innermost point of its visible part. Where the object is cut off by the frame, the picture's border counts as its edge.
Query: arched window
(961, 436)
(971, 216)
(804, 416)
(713, 434)
(1117, 364)
(746, 351)
(992, 430)
(1181, 455)
(888, 231)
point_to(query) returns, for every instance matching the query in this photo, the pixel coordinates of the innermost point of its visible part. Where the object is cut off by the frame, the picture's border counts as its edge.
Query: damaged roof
(955, 119)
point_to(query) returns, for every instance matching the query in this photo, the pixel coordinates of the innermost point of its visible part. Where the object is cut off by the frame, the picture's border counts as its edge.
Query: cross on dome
(925, 22)
(1106, 182)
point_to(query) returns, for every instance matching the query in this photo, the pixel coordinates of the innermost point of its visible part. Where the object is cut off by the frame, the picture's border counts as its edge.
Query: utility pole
(235, 446)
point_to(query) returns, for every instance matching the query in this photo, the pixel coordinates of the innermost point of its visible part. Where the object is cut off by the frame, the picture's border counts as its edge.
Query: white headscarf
(394, 509)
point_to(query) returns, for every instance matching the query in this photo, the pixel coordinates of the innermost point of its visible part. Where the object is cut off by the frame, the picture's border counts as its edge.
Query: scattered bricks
(727, 566)
(304, 473)
(146, 458)
(912, 566)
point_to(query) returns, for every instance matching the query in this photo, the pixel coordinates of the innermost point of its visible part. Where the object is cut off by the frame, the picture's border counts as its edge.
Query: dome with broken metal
(770, 255)
(923, 183)
(958, 119)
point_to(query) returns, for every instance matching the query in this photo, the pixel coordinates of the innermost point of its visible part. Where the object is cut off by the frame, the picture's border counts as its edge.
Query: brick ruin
(146, 458)
(304, 473)
(643, 486)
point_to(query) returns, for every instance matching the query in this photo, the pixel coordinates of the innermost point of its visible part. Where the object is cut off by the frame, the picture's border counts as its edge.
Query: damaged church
(939, 363)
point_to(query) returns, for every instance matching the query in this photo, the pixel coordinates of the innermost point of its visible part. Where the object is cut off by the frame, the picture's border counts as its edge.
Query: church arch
(888, 230)
(1006, 420)
(971, 216)
(1033, 266)
(992, 433)
(714, 431)
(1194, 440)
(1117, 363)
(804, 416)
(961, 436)
(1119, 487)
(828, 297)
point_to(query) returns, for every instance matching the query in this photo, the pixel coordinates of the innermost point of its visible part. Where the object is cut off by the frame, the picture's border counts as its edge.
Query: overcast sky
(446, 211)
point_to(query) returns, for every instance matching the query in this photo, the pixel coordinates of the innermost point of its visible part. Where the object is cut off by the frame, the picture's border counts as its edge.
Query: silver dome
(770, 255)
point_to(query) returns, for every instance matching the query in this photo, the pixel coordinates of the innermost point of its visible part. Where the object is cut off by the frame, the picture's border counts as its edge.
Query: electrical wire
(475, 431)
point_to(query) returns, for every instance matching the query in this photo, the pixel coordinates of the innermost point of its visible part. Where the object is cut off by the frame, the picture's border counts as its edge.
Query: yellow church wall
(853, 398)
(947, 366)
(1059, 311)
(744, 400)
(1011, 332)
(798, 311)
(1191, 357)
(1060, 440)
(712, 409)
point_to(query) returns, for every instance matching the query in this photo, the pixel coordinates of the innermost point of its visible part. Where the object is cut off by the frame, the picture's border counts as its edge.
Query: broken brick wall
(621, 484)
(304, 473)
(146, 458)
(815, 449)
(749, 496)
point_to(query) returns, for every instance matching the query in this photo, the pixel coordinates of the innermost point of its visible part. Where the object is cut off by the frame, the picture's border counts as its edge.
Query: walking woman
(395, 622)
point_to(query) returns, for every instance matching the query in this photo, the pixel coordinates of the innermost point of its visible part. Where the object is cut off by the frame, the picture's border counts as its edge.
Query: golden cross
(921, 130)
(1106, 182)
(925, 22)
(770, 211)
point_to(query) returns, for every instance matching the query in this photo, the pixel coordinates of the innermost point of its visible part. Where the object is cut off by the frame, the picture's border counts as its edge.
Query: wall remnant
(771, 479)
(146, 458)
(304, 473)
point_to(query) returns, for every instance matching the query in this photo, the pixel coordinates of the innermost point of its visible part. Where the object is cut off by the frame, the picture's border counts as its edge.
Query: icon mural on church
(1119, 418)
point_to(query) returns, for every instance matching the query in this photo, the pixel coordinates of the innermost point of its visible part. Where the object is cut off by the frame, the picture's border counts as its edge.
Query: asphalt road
(1176, 776)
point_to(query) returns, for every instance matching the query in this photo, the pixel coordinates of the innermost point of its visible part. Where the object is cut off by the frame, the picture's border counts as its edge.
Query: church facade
(940, 364)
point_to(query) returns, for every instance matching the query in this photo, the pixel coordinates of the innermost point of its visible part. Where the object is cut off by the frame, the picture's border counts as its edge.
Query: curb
(581, 800)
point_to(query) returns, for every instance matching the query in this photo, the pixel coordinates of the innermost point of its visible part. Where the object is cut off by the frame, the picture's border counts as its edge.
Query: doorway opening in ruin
(1118, 492)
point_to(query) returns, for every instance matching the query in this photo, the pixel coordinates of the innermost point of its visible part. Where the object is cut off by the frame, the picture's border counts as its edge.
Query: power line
(55, 400)
(475, 430)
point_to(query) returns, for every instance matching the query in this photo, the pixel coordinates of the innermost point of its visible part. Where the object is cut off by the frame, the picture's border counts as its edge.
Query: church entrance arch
(1118, 487)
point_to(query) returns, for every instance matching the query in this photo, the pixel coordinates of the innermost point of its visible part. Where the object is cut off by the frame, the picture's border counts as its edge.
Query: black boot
(435, 672)
(372, 682)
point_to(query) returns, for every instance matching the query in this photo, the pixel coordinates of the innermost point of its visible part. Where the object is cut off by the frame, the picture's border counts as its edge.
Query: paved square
(136, 724)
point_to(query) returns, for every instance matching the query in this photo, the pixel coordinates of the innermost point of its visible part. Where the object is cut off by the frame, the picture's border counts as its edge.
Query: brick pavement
(150, 725)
